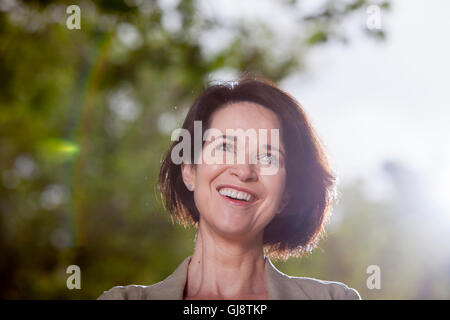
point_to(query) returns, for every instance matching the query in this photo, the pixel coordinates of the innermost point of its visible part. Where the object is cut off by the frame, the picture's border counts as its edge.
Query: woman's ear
(188, 174)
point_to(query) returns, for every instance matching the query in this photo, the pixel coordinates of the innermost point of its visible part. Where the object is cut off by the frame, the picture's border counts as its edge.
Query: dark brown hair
(310, 181)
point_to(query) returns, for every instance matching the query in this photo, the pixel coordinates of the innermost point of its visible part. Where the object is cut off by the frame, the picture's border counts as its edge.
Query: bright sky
(371, 102)
(374, 102)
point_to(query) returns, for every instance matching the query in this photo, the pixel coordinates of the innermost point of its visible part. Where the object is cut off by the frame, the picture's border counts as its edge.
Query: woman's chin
(233, 230)
(231, 224)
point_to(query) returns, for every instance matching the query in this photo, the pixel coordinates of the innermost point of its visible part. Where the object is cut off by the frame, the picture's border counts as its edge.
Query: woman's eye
(268, 159)
(224, 147)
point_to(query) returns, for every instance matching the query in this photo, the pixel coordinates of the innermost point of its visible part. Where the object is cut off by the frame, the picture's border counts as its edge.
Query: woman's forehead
(244, 115)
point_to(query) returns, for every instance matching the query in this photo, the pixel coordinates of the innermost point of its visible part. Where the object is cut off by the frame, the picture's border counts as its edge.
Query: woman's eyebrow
(224, 136)
(219, 138)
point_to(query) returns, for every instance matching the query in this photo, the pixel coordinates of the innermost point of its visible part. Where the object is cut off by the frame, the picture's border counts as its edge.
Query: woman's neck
(223, 269)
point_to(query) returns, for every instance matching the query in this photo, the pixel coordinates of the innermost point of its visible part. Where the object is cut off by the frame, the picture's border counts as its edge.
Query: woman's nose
(245, 172)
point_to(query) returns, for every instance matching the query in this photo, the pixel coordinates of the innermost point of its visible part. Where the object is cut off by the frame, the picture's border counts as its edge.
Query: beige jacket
(279, 285)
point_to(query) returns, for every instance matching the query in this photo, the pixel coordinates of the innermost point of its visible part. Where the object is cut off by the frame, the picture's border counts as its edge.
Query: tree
(84, 121)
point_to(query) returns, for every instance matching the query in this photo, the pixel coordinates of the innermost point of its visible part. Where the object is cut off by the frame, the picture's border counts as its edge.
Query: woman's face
(214, 183)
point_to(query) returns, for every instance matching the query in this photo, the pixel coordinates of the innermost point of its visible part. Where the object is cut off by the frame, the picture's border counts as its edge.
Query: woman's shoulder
(286, 287)
(322, 289)
(171, 288)
(129, 292)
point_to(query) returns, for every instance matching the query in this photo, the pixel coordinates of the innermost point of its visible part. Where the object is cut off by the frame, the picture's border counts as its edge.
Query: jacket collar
(279, 285)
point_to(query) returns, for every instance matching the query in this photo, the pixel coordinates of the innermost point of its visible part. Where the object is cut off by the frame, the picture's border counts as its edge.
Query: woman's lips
(237, 188)
(236, 202)
(241, 203)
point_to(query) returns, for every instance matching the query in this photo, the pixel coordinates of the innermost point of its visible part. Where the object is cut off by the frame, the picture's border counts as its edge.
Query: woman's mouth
(237, 197)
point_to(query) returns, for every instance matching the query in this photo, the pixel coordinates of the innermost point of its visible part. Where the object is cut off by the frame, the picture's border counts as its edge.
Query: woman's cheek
(278, 183)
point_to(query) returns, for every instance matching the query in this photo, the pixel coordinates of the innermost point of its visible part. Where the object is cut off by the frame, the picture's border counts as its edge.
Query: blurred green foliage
(85, 117)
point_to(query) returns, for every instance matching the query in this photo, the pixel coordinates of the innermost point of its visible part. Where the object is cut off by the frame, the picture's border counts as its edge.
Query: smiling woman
(243, 216)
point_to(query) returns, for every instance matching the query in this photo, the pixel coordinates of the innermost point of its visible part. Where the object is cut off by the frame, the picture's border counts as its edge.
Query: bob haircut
(310, 182)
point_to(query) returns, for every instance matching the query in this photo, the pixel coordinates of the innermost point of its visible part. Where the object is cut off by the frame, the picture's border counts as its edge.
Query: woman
(243, 212)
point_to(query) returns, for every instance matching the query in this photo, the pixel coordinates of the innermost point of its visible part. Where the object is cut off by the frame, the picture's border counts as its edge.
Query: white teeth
(235, 194)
